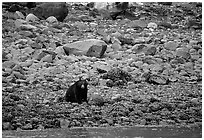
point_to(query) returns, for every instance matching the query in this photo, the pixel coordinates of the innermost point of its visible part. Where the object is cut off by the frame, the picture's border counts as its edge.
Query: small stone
(27, 27)
(97, 99)
(139, 48)
(138, 64)
(109, 121)
(21, 106)
(47, 58)
(116, 46)
(151, 51)
(116, 97)
(64, 123)
(31, 18)
(6, 126)
(182, 52)
(28, 126)
(171, 45)
(52, 19)
(163, 123)
(19, 22)
(20, 15)
(157, 79)
(195, 101)
(152, 25)
(19, 75)
(143, 122)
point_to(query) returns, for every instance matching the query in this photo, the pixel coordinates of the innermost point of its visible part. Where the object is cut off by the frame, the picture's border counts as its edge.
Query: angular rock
(89, 47)
(47, 9)
(20, 15)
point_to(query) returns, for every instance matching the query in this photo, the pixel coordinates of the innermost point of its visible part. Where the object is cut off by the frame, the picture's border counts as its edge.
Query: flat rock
(89, 47)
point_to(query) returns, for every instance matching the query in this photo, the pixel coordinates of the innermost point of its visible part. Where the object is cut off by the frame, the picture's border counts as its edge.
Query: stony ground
(150, 74)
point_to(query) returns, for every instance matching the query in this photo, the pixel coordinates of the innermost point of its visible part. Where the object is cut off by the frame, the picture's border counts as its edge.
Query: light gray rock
(171, 45)
(89, 47)
(31, 18)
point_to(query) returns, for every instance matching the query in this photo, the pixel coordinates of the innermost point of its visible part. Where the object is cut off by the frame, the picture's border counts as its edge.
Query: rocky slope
(146, 71)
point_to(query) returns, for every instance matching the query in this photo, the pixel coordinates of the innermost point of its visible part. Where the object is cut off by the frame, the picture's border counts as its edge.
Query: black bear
(77, 93)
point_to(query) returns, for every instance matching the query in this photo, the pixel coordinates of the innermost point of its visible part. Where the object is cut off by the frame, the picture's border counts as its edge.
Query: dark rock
(96, 51)
(47, 9)
(165, 25)
(124, 40)
(4, 56)
(14, 97)
(15, 7)
(157, 79)
(45, 53)
(77, 92)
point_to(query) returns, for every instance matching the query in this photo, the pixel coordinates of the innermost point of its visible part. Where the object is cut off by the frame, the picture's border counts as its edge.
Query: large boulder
(89, 47)
(47, 9)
